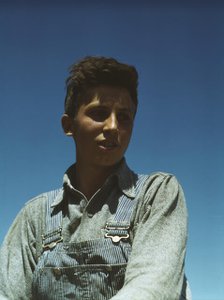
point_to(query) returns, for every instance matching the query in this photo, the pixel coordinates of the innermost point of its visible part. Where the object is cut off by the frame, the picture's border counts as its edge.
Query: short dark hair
(93, 71)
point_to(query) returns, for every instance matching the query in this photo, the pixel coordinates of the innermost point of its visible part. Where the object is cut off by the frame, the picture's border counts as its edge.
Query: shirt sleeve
(156, 266)
(18, 257)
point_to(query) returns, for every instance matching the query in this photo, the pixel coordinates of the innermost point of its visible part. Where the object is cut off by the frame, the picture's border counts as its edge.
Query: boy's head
(93, 71)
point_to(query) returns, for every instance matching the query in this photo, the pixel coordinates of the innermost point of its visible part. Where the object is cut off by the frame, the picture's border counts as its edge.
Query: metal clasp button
(57, 271)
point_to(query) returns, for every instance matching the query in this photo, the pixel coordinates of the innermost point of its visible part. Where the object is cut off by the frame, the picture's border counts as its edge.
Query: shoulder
(156, 179)
(36, 201)
(161, 194)
(41, 199)
(159, 184)
(34, 210)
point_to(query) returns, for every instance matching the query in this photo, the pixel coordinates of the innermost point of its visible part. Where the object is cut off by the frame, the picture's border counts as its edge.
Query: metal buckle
(52, 244)
(116, 238)
(121, 227)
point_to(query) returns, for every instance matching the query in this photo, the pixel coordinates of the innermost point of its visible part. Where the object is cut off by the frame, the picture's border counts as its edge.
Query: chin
(110, 163)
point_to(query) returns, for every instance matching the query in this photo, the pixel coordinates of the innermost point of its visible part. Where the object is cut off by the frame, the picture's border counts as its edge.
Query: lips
(108, 144)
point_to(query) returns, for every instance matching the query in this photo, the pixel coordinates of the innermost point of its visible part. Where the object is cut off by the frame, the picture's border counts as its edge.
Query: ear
(67, 124)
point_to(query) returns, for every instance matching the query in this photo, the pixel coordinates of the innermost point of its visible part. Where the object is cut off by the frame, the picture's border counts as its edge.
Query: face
(102, 127)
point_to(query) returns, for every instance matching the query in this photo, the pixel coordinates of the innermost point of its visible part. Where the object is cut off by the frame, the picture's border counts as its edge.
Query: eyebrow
(97, 104)
(125, 109)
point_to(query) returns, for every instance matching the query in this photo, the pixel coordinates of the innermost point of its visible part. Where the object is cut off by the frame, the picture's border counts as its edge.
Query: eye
(98, 114)
(124, 117)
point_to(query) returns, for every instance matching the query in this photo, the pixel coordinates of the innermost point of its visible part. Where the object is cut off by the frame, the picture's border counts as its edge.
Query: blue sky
(177, 47)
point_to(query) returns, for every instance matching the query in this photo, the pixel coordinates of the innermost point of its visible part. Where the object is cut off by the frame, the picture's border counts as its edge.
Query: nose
(111, 124)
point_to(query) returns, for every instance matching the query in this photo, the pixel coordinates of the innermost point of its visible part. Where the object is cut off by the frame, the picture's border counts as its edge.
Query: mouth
(108, 145)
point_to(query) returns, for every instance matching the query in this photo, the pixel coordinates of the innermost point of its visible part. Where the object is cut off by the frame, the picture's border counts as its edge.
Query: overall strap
(53, 231)
(118, 228)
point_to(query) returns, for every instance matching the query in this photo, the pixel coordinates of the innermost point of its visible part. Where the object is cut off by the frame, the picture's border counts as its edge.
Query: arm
(18, 257)
(156, 267)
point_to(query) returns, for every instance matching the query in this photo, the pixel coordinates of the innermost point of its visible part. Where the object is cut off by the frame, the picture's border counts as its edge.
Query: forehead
(110, 96)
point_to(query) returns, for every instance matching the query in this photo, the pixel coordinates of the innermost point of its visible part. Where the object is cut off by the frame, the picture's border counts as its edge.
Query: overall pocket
(81, 282)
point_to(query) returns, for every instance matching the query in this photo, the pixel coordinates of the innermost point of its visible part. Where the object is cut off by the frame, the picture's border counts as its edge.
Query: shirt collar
(126, 181)
(66, 185)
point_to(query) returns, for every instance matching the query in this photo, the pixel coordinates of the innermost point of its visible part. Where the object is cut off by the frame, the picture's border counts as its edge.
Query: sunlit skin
(101, 129)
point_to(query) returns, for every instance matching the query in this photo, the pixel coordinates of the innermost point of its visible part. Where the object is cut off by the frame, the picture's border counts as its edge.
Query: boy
(108, 233)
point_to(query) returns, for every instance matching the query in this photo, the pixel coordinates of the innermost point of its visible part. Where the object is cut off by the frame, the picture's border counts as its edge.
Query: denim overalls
(89, 270)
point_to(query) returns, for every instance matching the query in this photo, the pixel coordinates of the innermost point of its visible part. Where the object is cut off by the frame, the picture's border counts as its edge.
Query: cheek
(87, 131)
(126, 133)
(125, 139)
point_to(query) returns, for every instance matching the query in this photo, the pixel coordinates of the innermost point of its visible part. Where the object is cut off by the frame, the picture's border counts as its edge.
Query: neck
(89, 179)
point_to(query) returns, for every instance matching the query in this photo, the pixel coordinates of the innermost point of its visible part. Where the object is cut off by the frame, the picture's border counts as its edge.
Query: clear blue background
(178, 49)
